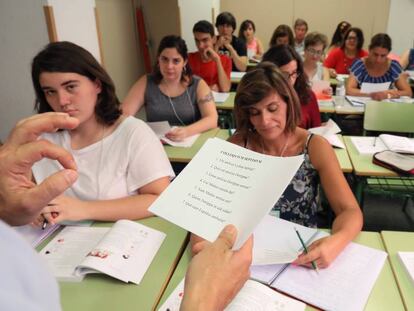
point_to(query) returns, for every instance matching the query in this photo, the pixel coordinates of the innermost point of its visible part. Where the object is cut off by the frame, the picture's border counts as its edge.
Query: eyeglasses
(292, 75)
(314, 52)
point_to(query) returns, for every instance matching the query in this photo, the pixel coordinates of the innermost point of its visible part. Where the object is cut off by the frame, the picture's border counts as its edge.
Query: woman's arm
(239, 61)
(348, 221)
(205, 102)
(135, 98)
(260, 49)
(404, 59)
(403, 88)
(131, 207)
(352, 87)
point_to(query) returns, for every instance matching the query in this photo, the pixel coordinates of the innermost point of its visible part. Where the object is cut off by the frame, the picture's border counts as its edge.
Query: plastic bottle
(340, 88)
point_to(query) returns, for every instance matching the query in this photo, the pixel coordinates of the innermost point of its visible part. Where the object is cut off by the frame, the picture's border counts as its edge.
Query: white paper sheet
(407, 260)
(237, 74)
(253, 296)
(163, 127)
(225, 184)
(319, 85)
(368, 88)
(329, 131)
(220, 97)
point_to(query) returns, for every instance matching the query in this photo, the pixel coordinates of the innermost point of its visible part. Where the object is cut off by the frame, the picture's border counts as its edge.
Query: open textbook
(225, 184)
(163, 127)
(252, 296)
(371, 145)
(344, 285)
(329, 131)
(124, 251)
(407, 260)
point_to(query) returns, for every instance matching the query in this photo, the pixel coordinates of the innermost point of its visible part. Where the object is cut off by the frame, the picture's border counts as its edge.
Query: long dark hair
(176, 42)
(68, 57)
(244, 25)
(360, 37)
(339, 33)
(281, 55)
(282, 31)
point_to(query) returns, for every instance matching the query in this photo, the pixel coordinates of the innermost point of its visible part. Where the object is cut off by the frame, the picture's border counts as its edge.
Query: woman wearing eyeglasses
(315, 44)
(290, 63)
(378, 68)
(341, 59)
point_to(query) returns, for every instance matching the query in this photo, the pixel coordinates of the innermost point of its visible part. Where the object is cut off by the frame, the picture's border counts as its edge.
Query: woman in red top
(290, 63)
(340, 59)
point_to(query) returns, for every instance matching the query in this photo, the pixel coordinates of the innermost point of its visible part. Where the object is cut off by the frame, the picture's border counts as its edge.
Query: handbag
(400, 163)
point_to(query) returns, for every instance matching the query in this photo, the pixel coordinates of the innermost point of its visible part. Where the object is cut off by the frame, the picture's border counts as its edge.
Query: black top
(239, 46)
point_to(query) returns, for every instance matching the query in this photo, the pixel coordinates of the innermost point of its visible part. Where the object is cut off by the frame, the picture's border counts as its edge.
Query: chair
(394, 118)
(389, 117)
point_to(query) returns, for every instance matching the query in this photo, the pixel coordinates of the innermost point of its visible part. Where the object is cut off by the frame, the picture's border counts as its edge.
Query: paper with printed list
(252, 296)
(225, 184)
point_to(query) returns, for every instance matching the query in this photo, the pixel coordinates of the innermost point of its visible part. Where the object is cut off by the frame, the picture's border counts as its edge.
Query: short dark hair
(282, 31)
(68, 57)
(243, 26)
(359, 34)
(256, 85)
(226, 18)
(173, 41)
(314, 38)
(381, 40)
(281, 55)
(300, 22)
(204, 26)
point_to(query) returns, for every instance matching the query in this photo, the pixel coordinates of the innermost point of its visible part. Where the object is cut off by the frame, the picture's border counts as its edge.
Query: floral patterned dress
(299, 201)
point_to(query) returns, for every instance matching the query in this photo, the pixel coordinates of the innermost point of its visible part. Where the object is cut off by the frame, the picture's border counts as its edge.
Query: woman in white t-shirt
(122, 166)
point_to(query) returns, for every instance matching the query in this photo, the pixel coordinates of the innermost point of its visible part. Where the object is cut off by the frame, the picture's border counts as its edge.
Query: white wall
(22, 34)
(192, 11)
(75, 22)
(401, 25)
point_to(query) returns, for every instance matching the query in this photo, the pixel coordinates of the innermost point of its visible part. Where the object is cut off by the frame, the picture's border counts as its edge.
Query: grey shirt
(180, 110)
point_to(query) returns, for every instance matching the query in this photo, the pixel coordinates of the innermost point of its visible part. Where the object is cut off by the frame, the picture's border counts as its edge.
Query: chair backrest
(389, 117)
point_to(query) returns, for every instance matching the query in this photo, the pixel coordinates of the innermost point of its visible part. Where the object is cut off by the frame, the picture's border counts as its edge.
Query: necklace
(283, 149)
(98, 171)
(175, 112)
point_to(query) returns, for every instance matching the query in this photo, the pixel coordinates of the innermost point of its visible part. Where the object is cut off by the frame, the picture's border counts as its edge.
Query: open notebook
(371, 145)
(124, 251)
(163, 127)
(344, 285)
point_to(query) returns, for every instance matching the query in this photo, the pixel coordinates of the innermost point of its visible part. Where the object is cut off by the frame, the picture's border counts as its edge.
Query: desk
(400, 241)
(384, 295)
(100, 292)
(341, 154)
(228, 104)
(184, 155)
(342, 106)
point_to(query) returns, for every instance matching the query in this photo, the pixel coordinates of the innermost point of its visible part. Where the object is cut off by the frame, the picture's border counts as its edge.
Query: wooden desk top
(184, 155)
(400, 241)
(362, 163)
(384, 295)
(100, 292)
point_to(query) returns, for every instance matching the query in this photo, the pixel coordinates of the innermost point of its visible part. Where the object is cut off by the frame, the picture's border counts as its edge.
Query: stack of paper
(35, 235)
(163, 127)
(220, 97)
(329, 131)
(407, 260)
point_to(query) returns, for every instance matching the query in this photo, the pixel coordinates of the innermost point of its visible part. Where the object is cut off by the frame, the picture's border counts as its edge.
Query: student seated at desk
(247, 34)
(171, 93)
(338, 35)
(315, 44)
(267, 112)
(228, 44)
(122, 165)
(290, 63)
(27, 283)
(340, 59)
(300, 28)
(282, 35)
(378, 68)
(206, 63)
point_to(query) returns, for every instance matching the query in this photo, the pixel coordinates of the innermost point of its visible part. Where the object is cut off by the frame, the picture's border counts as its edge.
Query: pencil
(315, 267)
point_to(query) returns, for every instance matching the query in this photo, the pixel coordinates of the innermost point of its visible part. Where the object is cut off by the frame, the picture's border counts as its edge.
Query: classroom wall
(322, 15)
(401, 25)
(120, 48)
(22, 34)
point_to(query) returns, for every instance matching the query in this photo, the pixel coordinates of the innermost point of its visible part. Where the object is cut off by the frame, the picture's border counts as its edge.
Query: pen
(315, 267)
(45, 222)
(375, 141)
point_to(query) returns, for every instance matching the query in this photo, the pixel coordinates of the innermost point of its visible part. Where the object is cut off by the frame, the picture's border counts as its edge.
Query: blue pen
(315, 267)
